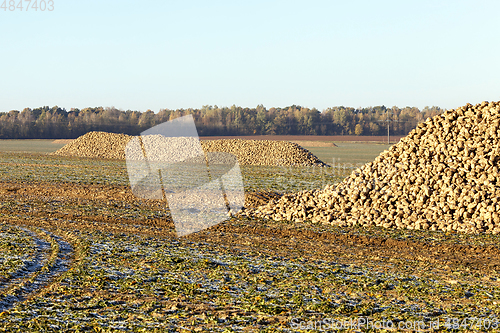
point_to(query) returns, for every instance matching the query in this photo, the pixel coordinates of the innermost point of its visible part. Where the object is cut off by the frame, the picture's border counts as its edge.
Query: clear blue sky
(178, 54)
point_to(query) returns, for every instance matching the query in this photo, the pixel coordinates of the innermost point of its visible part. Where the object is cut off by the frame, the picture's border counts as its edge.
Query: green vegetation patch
(135, 283)
(16, 249)
(45, 168)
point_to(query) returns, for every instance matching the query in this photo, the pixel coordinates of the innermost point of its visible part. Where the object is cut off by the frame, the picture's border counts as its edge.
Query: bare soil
(62, 141)
(271, 237)
(315, 144)
(295, 138)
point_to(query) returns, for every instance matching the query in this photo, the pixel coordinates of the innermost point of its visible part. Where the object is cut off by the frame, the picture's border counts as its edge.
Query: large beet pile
(443, 176)
(248, 152)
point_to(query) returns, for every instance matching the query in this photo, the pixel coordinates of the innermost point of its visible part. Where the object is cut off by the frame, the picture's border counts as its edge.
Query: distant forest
(58, 123)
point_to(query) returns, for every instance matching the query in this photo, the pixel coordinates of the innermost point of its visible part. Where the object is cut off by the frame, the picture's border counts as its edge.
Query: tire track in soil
(310, 243)
(36, 273)
(478, 258)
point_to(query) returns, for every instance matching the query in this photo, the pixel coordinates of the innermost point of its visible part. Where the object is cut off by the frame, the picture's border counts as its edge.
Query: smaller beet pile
(248, 152)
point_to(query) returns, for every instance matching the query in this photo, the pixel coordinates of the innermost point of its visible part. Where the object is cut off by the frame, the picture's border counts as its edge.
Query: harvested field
(81, 253)
(315, 144)
(308, 143)
(41, 146)
(324, 138)
(127, 270)
(349, 154)
(63, 141)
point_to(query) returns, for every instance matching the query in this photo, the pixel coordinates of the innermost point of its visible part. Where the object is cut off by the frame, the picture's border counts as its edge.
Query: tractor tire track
(52, 258)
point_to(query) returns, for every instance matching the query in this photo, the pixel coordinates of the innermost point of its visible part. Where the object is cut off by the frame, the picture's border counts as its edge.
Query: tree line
(58, 123)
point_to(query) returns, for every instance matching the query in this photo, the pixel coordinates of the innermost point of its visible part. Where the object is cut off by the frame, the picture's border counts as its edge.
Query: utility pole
(388, 135)
(388, 121)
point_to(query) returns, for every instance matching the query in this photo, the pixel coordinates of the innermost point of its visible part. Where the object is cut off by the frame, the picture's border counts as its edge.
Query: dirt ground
(294, 138)
(63, 141)
(62, 203)
(338, 138)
